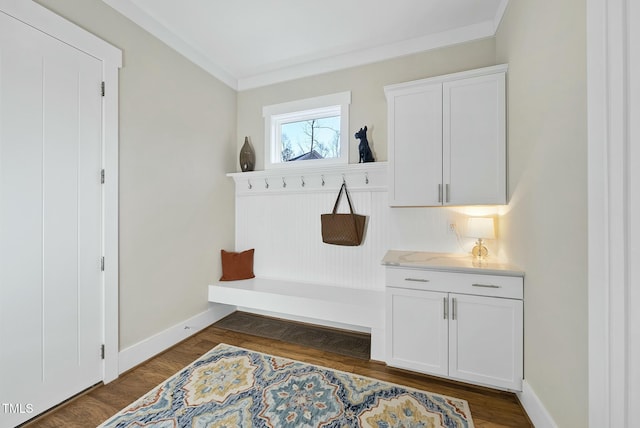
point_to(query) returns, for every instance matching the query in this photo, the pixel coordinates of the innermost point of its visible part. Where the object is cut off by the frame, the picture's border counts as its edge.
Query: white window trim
(276, 114)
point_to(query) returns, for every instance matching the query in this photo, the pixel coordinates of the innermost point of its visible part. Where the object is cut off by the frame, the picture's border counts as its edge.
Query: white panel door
(486, 340)
(417, 330)
(474, 140)
(50, 221)
(415, 146)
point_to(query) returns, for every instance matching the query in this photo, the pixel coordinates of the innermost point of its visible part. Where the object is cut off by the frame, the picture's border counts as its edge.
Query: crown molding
(310, 68)
(147, 22)
(502, 7)
(369, 56)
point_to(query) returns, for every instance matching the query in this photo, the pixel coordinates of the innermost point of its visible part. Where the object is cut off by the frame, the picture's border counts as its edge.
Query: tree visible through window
(309, 130)
(310, 139)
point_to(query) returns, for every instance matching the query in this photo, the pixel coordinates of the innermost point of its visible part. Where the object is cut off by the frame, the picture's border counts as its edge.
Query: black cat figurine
(363, 147)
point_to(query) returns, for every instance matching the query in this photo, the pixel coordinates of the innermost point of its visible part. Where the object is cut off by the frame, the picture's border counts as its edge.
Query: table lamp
(480, 228)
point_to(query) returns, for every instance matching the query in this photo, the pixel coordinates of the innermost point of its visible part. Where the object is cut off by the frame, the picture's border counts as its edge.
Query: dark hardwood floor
(348, 343)
(489, 408)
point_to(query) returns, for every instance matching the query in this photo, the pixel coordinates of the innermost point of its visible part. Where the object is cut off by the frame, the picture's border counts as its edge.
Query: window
(307, 132)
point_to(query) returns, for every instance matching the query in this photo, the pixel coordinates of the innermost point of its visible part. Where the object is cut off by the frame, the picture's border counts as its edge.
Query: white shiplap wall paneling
(282, 222)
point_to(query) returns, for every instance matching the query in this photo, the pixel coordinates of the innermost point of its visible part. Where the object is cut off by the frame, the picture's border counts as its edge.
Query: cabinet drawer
(454, 282)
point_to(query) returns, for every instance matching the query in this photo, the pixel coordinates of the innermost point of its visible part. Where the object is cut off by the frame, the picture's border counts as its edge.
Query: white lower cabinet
(419, 330)
(461, 326)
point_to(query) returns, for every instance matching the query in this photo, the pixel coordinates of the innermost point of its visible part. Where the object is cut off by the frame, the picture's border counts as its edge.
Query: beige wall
(368, 103)
(177, 139)
(545, 228)
(181, 130)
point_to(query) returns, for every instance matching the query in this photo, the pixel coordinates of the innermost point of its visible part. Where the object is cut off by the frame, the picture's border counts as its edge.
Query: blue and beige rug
(234, 387)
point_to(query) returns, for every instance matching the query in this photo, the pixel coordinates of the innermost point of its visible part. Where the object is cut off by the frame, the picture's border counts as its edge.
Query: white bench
(332, 304)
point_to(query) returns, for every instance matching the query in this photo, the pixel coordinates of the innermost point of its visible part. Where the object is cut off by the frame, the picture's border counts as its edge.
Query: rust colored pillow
(237, 266)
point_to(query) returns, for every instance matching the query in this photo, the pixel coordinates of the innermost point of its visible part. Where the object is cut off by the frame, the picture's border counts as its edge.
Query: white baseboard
(142, 351)
(534, 407)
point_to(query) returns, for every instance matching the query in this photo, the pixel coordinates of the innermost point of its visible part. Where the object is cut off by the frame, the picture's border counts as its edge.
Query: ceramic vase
(247, 156)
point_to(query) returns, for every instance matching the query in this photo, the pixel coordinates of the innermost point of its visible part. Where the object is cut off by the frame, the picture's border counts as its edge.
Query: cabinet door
(417, 330)
(485, 340)
(474, 142)
(415, 145)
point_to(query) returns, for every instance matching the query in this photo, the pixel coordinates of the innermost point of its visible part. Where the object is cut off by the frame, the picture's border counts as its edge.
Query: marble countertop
(449, 262)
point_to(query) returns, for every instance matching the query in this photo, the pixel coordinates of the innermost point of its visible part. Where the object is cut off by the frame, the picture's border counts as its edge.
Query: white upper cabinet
(447, 139)
(415, 162)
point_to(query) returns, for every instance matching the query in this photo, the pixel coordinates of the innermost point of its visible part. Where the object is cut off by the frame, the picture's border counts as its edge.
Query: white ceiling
(251, 43)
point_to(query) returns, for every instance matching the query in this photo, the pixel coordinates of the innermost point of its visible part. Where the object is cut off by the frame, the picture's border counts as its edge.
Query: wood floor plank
(489, 408)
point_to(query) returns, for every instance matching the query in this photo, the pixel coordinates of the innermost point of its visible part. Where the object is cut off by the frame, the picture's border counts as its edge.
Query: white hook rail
(369, 176)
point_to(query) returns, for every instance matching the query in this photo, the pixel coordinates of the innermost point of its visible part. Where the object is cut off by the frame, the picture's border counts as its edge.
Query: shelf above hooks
(363, 176)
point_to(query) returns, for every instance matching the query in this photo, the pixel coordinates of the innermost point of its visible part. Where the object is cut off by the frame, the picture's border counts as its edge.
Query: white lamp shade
(481, 227)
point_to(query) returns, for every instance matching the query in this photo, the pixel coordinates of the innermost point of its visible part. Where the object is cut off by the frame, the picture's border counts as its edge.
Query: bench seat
(333, 304)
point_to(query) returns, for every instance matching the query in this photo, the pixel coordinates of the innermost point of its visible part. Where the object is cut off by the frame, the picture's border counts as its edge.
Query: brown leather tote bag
(343, 229)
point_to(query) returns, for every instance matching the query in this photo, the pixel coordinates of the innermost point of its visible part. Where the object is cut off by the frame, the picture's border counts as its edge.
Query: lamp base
(479, 251)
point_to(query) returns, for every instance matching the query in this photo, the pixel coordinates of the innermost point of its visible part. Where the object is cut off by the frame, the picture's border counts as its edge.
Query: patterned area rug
(235, 387)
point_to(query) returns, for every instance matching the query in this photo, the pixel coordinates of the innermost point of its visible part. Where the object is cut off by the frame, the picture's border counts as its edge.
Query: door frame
(55, 26)
(613, 208)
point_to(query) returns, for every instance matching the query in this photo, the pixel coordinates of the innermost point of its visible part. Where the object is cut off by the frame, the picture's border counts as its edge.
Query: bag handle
(343, 187)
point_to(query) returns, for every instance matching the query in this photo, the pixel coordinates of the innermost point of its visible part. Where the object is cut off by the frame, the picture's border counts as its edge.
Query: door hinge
(102, 176)
(102, 88)
(102, 264)
(102, 351)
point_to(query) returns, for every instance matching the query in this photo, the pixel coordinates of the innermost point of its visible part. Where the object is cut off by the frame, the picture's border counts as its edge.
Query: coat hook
(250, 186)
(323, 180)
(366, 177)
(284, 183)
(302, 179)
(266, 184)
